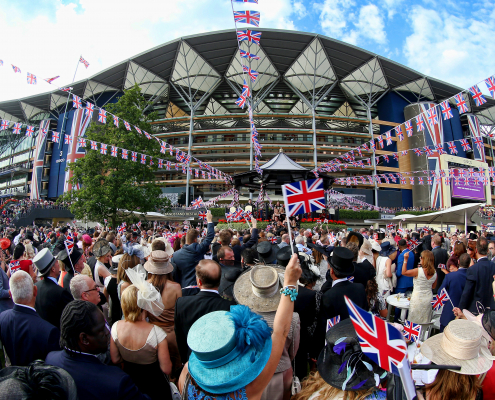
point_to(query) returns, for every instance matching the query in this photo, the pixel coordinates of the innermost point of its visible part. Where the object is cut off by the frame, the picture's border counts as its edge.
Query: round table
(401, 303)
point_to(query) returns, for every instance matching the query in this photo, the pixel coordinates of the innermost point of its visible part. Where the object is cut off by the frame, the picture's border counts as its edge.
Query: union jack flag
(90, 107)
(29, 130)
(420, 180)
(17, 128)
(428, 151)
(127, 125)
(420, 123)
(247, 54)
(94, 145)
(478, 142)
(439, 299)
(202, 216)
(418, 151)
(146, 134)
(439, 148)
(332, 322)
(241, 101)
(168, 165)
(247, 17)
(134, 156)
(81, 142)
(245, 87)
(103, 149)
(465, 145)
(66, 89)
(50, 80)
(160, 163)
(403, 152)
(432, 116)
(102, 116)
(388, 135)
(250, 36)
(69, 243)
(461, 103)
(197, 203)
(137, 129)
(475, 129)
(163, 147)
(429, 180)
(115, 120)
(380, 341)
(31, 79)
(490, 84)
(114, 151)
(68, 139)
(252, 73)
(411, 331)
(143, 158)
(380, 141)
(76, 101)
(55, 137)
(273, 239)
(452, 147)
(125, 154)
(409, 129)
(372, 144)
(478, 97)
(446, 110)
(304, 196)
(16, 69)
(82, 60)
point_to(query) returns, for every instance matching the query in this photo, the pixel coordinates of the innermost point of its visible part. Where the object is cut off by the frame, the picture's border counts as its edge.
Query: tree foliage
(110, 184)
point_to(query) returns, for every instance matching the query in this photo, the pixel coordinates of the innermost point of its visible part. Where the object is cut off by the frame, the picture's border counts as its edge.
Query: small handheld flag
(411, 331)
(440, 299)
(332, 322)
(304, 196)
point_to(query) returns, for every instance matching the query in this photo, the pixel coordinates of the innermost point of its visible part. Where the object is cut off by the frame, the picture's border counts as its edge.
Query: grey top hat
(44, 260)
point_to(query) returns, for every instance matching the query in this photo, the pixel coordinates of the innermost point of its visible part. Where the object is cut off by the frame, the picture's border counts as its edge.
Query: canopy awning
(452, 215)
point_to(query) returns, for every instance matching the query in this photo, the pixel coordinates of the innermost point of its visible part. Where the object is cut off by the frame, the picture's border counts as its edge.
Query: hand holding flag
(440, 299)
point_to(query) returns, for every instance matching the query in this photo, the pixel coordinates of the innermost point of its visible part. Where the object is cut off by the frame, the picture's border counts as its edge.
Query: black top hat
(284, 255)
(74, 257)
(268, 252)
(326, 250)
(30, 236)
(415, 235)
(63, 230)
(355, 237)
(341, 261)
(345, 361)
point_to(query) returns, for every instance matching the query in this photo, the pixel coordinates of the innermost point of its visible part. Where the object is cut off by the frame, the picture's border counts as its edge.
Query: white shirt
(304, 249)
(17, 238)
(337, 281)
(23, 305)
(209, 290)
(53, 279)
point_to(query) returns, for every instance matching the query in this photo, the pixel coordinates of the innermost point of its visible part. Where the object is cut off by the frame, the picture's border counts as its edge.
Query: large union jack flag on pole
(250, 36)
(83, 61)
(197, 203)
(304, 196)
(247, 17)
(380, 341)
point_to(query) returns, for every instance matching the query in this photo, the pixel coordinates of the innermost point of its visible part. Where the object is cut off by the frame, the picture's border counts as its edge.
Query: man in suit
(83, 336)
(247, 241)
(75, 259)
(51, 299)
(24, 334)
(363, 271)
(441, 257)
(333, 301)
(231, 269)
(189, 309)
(186, 259)
(479, 278)
(454, 284)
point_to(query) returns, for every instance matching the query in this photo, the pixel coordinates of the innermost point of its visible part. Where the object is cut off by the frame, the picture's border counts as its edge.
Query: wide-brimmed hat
(327, 251)
(159, 263)
(267, 252)
(486, 321)
(168, 248)
(355, 237)
(341, 261)
(43, 261)
(460, 344)
(259, 288)
(101, 248)
(284, 255)
(378, 235)
(4, 243)
(375, 246)
(367, 247)
(86, 239)
(73, 258)
(342, 360)
(229, 349)
(386, 249)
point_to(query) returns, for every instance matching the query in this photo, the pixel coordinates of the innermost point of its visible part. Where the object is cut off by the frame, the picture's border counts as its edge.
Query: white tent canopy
(460, 214)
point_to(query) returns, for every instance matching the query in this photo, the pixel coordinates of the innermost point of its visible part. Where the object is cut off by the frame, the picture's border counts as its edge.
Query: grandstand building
(315, 97)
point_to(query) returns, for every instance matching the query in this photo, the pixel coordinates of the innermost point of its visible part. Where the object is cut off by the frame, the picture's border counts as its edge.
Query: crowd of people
(178, 312)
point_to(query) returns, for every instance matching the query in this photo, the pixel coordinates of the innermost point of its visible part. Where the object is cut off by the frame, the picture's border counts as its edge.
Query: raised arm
(408, 272)
(210, 234)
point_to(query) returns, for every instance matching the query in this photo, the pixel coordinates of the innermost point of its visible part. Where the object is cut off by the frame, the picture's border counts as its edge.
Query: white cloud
(48, 42)
(299, 9)
(454, 49)
(333, 17)
(391, 6)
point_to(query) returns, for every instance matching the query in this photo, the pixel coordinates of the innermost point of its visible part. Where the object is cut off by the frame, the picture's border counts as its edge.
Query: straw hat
(158, 263)
(459, 344)
(375, 246)
(259, 288)
(484, 321)
(366, 247)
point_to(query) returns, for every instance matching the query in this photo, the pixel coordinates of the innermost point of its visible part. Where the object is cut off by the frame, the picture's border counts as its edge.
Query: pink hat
(87, 239)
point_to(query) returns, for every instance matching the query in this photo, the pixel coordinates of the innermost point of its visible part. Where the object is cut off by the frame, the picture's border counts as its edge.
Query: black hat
(74, 257)
(387, 249)
(321, 249)
(284, 255)
(341, 261)
(415, 235)
(268, 252)
(63, 230)
(345, 361)
(355, 237)
(380, 235)
(135, 234)
(30, 236)
(473, 236)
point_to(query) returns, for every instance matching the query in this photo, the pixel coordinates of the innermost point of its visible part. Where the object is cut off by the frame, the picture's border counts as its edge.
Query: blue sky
(449, 40)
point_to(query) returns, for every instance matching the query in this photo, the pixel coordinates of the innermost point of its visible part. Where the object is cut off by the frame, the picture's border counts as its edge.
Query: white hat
(43, 261)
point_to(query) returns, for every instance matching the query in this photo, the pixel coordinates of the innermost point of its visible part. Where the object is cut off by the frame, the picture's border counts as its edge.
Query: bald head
(208, 274)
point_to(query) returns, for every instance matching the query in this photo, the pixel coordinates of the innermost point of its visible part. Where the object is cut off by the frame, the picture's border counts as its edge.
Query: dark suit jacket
(26, 336)
(334, 302)
(250, 243)
(478, 286)
(51, 301)
(363, 272)
(189, 309)
(95, 380)
(441, 257)
(454, 285)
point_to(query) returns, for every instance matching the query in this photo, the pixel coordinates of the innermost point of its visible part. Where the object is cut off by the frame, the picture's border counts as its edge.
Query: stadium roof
(296, 69)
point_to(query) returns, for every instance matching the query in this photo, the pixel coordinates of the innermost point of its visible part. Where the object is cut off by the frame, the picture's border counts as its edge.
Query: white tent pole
(465, 222)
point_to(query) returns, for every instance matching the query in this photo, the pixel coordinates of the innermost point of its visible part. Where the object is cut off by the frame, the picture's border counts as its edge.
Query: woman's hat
(168, 248)
(284, 255)
(69, 260)
(259, 288)
(43, 261)
(267, 252)
(386, 249)
(486, 321)
(101, 248)
(342, 363)
(327, 251)
(229, 349)
(341, 261)
(355, 237)
(375, 246)
(366, 247)
(460, 344)
(87, 239)
(379, 235)
(4, 243)
(159, 263)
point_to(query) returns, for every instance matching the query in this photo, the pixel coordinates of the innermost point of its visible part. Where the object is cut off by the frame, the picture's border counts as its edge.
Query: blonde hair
(314, 383)
(126, 261)
(29, 250)
(129, 305)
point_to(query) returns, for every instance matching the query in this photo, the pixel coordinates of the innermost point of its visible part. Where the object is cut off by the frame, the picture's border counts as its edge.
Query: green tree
(112, 184)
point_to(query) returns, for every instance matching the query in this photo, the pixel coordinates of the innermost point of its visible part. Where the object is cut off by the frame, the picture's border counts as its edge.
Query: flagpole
(77, 66)
(286, 218)
(407, 380)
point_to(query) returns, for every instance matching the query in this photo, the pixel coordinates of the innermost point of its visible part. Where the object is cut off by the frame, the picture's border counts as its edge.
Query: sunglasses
(97, 288)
